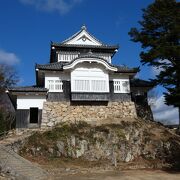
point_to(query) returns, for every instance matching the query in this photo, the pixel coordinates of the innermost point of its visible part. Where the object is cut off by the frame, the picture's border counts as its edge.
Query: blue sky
(28, 26)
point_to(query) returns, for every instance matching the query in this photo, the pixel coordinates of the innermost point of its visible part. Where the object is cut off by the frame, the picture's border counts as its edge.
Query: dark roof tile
(51, 66)
(124, 69)
(141, 83)
(28, 89)
(85, 46)
(58, 66)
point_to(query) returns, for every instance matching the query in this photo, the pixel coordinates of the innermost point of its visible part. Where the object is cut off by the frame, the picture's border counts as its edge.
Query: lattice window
(117, 86)
(91, 85)
(121, 86)
(51, 85)
(81, 85)
(67, 56)
(55, 85)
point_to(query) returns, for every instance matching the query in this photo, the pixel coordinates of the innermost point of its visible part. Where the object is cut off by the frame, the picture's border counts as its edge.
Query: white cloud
(61, 6)
(8, 58)
(163, 113)
(156, 70)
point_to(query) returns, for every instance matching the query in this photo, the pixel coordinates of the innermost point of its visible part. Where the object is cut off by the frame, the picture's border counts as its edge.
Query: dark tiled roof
(141, 83)
(85, 46)
(124, 69)
(28, 89)
(51, 66)
(58, 66)
(119, 68)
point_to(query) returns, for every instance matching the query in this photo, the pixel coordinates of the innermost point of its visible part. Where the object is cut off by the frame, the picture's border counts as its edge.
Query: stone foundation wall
(57, 112)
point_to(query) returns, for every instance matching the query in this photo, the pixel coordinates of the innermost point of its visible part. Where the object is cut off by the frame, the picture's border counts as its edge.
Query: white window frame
(54, 85)
(89, 87)
(118, 86)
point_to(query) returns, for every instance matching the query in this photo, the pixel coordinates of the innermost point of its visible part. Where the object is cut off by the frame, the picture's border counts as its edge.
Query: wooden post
(114, 160)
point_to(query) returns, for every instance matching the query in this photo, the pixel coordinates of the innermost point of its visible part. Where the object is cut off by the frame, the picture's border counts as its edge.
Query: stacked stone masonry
(58, 112)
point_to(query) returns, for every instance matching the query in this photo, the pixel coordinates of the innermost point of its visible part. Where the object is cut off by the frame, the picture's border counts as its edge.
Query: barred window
(121, 86)
(90, 85)
(55, 85)
(117, 86)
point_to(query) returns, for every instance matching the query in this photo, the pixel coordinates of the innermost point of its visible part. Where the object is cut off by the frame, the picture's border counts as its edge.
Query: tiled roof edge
(28, 89)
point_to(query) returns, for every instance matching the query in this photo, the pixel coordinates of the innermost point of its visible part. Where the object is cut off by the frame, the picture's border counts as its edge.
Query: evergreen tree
(159, 35)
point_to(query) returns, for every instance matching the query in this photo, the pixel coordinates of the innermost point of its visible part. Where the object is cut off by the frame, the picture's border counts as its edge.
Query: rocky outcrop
(115, 143)
(58, 112)
(144, 111)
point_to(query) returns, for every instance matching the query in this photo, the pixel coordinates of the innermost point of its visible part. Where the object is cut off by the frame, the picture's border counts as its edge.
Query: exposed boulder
(115, 143)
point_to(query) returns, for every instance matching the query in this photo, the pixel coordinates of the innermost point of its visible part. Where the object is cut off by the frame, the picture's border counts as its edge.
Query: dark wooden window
(33, 115)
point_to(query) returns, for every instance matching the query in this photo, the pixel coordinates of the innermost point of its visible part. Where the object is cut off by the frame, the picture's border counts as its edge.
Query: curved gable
(90, 60)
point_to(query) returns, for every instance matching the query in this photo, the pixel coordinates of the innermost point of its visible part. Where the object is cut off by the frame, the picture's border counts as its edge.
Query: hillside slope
(112, 143)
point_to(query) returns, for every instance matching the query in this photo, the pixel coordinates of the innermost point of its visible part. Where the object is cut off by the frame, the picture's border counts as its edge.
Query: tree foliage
(8, 78)
(159, 35)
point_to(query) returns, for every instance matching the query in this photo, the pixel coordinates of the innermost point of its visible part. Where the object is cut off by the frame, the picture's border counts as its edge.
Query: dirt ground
(68, 169)
(122, 175)
(113, 175)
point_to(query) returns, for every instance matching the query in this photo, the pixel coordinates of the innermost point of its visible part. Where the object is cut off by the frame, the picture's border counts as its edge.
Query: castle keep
(80, 82)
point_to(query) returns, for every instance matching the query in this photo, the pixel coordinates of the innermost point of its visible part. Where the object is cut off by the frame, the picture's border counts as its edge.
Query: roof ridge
(95, 38)
(71, 37)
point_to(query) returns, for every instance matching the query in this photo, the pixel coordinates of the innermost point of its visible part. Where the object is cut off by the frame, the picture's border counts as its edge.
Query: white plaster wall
(56, 76)
(60, 75)
(86, 42)
(118, 76)
(94, 71)
(26, 102)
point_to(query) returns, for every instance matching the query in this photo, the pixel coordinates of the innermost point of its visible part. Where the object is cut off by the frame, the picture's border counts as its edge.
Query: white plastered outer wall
(93, 70)
(118, 76)
(84, 39)
(30, 101)
(56, 75)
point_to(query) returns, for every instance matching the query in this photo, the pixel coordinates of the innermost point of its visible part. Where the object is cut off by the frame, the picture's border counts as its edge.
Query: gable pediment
(83, 38)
